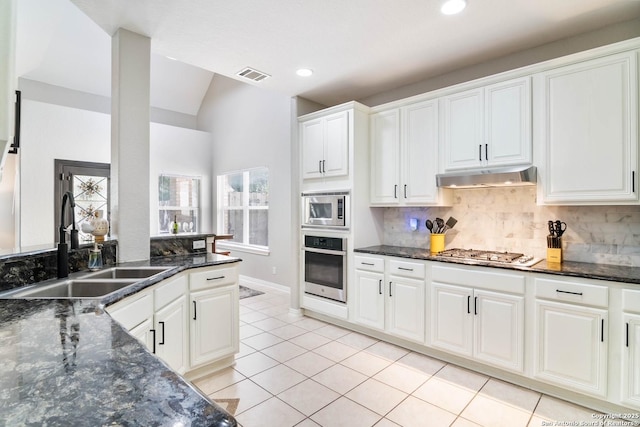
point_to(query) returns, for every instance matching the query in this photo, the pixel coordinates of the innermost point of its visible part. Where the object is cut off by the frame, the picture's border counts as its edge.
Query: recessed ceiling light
(451, 7)
(171, 58)
(304, 72)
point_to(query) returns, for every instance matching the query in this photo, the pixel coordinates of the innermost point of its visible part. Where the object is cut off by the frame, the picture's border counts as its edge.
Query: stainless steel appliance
(510, 258)
(325, 267)
(326, 210)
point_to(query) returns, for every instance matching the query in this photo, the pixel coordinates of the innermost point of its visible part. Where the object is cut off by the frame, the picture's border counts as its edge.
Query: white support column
(130, 64)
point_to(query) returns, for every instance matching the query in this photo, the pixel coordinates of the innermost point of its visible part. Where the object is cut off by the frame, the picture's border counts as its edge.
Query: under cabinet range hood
(497, 177)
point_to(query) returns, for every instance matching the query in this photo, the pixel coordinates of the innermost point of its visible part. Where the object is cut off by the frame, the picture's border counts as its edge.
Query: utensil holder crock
(437, 243)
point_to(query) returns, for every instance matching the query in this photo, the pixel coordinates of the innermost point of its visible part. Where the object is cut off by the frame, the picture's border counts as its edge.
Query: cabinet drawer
(491, 280)
(211, 278)
(369, 263)
(132, 311)
(579, 293)
(407, 269)
(170, 291)
(631, 301)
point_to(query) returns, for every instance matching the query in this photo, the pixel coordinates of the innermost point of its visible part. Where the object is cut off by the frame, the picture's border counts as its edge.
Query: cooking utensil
(450, 223)
(440, 224)
(552, 231)
(429, 226)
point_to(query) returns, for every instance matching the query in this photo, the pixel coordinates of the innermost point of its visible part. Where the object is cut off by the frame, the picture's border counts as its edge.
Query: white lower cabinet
(135, 314)
(405, 308)
(214, 329)
(144, 333)
(630, 378)
(390, 302)
(571, 336)
(485, 325)
(186, 337)
(479, 314)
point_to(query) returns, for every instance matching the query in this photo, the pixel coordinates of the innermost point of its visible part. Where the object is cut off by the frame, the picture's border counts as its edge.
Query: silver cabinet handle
(405, 269)
(215, 278)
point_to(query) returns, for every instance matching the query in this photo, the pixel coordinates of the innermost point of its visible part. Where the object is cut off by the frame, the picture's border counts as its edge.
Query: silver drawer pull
(405, 269)
(215, 278)
(367, 263)
(567, 292)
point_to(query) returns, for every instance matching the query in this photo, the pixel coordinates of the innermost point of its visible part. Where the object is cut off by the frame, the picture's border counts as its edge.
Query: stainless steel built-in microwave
(329, 210)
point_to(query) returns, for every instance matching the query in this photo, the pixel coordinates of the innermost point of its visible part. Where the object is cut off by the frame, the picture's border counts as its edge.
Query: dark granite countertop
(67, 362)
(608, 272)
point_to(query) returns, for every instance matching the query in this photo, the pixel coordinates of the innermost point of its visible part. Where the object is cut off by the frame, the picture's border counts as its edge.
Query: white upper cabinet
(587, 114)
(325, 146)
(487, 126)
(7, 76)
(404, 155)
(385, 157)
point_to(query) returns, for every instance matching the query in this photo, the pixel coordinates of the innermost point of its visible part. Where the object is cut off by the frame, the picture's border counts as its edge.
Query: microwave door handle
(325, 251)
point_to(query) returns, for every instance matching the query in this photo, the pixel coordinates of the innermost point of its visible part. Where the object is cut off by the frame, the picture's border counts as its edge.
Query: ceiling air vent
(251, 74)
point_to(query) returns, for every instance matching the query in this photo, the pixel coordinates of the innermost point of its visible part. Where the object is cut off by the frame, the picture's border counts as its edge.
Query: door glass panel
(90, 194)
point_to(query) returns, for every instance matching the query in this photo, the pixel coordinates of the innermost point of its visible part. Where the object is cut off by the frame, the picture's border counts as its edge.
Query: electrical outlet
(199, 244)
(273, 270)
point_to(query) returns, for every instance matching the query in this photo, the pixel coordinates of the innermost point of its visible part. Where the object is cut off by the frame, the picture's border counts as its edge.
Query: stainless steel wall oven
(325, 267)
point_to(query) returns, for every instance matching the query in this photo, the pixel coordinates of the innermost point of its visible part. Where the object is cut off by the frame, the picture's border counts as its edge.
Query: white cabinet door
(369, 299)
(172, 334)
(419, 151)
(571, 346)
(336, 145)
(499, 329)
(405, 308)
(214, 324)
(589, 121)
(385, 157)
(325, 146)
(463, 129)
(631, 361)
(144, 333)
(508, 123)
(488, 126)
(312, 141)
(452, 318)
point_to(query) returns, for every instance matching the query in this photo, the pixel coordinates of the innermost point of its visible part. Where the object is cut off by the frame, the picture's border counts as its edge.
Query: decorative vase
(100, 226)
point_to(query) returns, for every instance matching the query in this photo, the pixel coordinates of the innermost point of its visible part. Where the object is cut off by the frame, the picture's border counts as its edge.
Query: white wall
(603, 36)
(52, 131)
(251, 127)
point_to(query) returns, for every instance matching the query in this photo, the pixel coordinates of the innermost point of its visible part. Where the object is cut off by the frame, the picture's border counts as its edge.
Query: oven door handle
(324, 251)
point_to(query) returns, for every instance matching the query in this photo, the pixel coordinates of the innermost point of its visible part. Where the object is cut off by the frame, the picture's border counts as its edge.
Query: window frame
(246, 209)
(195, 208)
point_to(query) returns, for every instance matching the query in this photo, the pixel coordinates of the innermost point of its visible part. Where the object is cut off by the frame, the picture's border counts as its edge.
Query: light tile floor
(299, 371)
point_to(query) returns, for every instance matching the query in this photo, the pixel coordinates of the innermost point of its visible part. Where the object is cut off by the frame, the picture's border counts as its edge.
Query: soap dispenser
(95, 258)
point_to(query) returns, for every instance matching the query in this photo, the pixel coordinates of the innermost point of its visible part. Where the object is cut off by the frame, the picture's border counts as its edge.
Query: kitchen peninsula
(67, 362)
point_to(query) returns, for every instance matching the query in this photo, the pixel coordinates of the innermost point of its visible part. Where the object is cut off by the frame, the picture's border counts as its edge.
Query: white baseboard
(259, 282)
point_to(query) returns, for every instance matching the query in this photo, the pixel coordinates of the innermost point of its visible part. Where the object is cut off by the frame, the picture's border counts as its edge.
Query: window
(243, 208)
(178, 200)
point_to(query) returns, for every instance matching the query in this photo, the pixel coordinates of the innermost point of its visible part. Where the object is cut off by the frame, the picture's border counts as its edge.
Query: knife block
(554, 255)
(437, 243)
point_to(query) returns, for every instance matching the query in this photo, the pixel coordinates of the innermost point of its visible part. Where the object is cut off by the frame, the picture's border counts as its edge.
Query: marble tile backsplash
(508, 219)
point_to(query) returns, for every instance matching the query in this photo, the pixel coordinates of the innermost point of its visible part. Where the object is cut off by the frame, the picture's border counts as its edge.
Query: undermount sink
(81, 288)
(126, 273)
(92, 285)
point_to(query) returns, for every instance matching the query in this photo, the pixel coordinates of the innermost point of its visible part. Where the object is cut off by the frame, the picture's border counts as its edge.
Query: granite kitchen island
(67, 362)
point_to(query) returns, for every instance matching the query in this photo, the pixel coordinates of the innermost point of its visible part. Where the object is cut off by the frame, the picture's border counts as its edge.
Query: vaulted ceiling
(356, 48)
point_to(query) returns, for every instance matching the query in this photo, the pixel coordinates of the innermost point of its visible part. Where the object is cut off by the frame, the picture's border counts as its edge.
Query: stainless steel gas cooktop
(510, 258)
